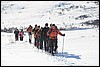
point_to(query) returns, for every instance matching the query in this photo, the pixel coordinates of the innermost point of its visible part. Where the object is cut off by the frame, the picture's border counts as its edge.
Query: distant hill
(65, 14)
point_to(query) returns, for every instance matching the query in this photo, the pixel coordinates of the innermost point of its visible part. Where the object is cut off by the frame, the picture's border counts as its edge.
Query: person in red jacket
(38, 36)
(34, 33)
(53, 33)
(29, 30)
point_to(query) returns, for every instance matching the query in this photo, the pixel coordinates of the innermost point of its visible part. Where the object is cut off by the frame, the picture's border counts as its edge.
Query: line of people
(45, 37)
(19, 34)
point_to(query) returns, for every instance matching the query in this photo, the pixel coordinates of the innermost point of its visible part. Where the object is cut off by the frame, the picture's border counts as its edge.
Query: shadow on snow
(66, 55)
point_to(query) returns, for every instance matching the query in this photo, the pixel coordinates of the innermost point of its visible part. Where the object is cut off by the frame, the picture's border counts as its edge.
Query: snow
(81, 48)
(38, 11)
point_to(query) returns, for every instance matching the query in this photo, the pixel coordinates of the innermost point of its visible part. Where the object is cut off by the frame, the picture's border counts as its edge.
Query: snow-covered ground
(81, 48)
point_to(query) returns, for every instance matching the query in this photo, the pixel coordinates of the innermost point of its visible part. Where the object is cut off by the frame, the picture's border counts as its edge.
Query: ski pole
(63, 45)
(26, 37)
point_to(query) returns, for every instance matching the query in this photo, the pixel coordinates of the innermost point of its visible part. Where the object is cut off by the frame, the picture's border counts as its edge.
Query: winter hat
(35, 25)
(46, 24)
(53, 24)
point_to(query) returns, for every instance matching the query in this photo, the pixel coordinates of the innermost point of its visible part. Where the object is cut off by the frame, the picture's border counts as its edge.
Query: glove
(63, 34)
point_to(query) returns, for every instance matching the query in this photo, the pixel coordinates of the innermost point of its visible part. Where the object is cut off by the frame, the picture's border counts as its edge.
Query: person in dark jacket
(16, 32)
(45, 30)
(41, 38)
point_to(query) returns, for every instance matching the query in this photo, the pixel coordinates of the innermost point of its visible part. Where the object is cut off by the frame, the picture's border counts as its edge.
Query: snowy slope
(31, 12)
(29, 15)
(81, 48)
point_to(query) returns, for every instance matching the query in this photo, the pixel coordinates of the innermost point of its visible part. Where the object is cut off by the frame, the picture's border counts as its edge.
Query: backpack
(53, 32)
(21, 34)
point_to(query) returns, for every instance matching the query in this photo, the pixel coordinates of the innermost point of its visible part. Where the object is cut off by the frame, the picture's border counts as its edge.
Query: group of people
(19, 34)
(44, 37)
